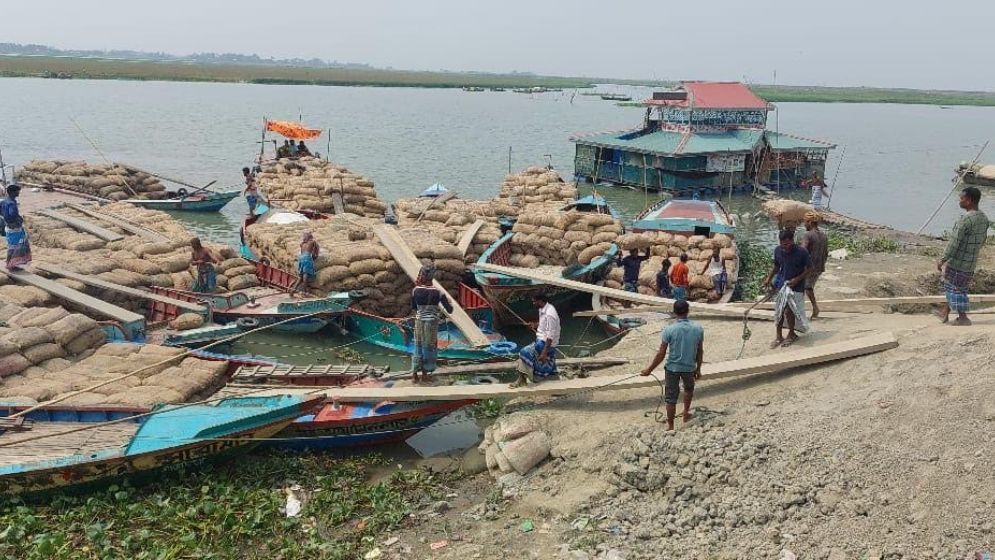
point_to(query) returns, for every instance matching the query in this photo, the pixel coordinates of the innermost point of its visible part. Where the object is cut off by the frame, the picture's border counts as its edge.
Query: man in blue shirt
(794, 265)
(630, 269)
(685, 341)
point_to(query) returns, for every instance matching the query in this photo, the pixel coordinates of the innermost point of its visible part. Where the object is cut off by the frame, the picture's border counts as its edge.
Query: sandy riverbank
(878, 457)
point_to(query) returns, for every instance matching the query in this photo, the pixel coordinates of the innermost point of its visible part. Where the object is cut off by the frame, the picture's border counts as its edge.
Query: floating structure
(703, 137)
(980, 175)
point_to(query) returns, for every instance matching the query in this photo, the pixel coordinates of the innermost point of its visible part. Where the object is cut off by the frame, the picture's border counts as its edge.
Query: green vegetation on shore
(104, 69)
(231, 512)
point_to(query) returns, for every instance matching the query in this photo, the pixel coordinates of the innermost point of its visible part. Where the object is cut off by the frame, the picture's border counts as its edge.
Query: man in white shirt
(818, 191)
(537, 361)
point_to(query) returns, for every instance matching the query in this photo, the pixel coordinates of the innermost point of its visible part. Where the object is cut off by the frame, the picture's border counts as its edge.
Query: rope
(746, 318)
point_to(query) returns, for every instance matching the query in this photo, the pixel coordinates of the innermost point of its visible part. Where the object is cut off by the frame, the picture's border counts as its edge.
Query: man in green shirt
(685, 340)
(961, 257)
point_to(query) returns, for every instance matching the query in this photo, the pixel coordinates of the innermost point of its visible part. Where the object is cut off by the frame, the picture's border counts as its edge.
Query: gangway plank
(128, 291)
(126, 225)
(97, 306)
(409, 263)
(718, 309)
(769, 363)
(468, 235)
(81, 225)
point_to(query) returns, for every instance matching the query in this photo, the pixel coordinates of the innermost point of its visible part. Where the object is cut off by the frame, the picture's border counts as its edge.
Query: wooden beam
(126, 225)
(409, 263)
(133, 292)
(66, 293)
(468, 235)
(771, 363)
(82, 225)
(443, 198)
(337, 205)
(717, 309)
(838, 304)
(498, 367)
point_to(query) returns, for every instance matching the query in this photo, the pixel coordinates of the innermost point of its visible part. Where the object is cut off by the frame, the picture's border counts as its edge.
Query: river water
(898, 161)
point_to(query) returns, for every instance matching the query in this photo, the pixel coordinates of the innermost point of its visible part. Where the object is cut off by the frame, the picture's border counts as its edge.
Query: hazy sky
(948, 44)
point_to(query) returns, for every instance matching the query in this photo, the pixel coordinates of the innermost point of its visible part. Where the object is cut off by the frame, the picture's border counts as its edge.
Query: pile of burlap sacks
(787, 213)
(132, 261)
(546, 236)
(35, 341)
(110, 181)
(663, 245)
(166, 377)
(351, 258)
(535, 185)
(308, 184)
(451, 219)
(514, 444)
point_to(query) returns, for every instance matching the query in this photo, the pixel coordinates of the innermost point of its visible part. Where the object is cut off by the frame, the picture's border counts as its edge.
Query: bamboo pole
(960, 181)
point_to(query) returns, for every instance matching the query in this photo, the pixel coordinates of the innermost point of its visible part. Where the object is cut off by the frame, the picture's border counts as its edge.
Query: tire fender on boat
(247, 323)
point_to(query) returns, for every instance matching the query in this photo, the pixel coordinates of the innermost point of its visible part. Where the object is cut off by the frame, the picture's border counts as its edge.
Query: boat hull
(397, 335)
(210, 203)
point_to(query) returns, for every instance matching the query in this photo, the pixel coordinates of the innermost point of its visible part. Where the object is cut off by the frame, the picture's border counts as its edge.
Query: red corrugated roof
(716, 95)
(722, 95)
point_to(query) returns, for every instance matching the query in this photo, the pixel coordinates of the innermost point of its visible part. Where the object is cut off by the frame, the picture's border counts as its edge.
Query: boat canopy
(292, 130)
(438, 189)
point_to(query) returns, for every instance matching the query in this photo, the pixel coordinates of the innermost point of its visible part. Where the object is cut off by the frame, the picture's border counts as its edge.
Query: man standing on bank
(794, 265)
(685, 341)
(817, 244)
(961, 257)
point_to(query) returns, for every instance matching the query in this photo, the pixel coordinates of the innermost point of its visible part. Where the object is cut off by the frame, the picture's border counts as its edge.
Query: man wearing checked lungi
(961, 257)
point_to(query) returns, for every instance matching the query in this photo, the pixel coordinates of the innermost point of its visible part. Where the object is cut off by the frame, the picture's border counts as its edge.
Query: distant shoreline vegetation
(75, 67)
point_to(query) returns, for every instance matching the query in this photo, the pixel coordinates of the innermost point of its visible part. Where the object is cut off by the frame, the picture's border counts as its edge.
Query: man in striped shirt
(961, 257)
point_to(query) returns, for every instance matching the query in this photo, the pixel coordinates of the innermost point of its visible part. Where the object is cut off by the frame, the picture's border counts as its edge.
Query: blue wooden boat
(686, 217)
(434, 191)
(173, 437)
(202, 201)
(511, 298)
(397, 333)
(593, 203)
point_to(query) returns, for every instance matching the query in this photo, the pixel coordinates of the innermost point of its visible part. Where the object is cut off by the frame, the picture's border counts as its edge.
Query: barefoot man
(794, 266)
(537, 361)
(817, 244)
(685, 341)
(961, 257)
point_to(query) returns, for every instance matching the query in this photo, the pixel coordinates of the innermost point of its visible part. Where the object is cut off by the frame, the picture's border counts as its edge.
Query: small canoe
(173, 437)
(397, 334)
(434, 191)
(511, 298)
(203, 201)
(615, 324)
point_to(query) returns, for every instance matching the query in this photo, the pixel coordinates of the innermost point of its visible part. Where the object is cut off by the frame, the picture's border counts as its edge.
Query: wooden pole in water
(646, 191)
(509, 160)
(960, 180)
(832, 187)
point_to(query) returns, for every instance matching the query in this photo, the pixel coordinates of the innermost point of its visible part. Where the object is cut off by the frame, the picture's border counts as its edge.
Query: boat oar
(169, 179)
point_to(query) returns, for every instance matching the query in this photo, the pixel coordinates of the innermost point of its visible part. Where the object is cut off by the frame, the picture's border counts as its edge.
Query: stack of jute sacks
(352, 258)
(535, 184)
(546, 236)
(309, 183)
(663, 245)
(451, 219)
(110, 181)
(132, 261)
(165, 377)
(34, 342)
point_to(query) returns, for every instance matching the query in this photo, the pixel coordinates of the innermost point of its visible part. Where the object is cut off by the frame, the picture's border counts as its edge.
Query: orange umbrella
(292, 130)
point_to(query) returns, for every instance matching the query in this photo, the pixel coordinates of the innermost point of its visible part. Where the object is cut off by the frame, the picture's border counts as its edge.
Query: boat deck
(96, 440)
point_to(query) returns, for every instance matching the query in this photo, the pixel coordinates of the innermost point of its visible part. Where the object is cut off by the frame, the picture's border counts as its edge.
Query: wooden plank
(468, 235)
(717, 309)
(409, 262)
(93, 304)
(441, 199)
(838, 304)
(337, 205)
(82, 225)
(770, 363)
(133, 292)
(122, 223)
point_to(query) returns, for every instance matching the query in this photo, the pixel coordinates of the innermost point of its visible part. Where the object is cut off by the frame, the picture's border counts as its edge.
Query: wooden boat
(615, 324)
(511, 298)
(269, 303)
(202, 201)
(593, 203)
(436, 190)
(692, 217)
(616, 97)
(173, 437)
(397, 334)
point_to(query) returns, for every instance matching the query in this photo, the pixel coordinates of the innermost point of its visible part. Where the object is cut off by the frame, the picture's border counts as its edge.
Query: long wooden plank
(409, 262)
(337, 205)
(840, 304)
(133, 292)
(122, 223)
(82, 225)
(441, 199)
(769, 363)
(91, 303)
(717, 309)
(468, 235)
